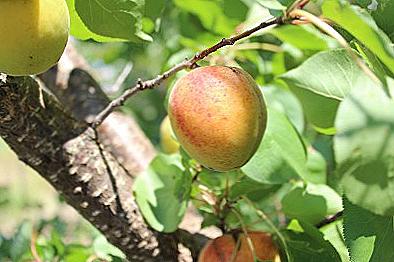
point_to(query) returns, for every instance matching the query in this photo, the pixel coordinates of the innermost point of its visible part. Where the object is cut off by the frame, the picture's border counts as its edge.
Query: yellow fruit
(218, 115)
(168, 144)
(33, 34)
(225, 249)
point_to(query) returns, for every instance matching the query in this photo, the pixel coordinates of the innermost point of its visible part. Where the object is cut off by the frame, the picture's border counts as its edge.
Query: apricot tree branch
(119, 134)
(330, 219)
(66, 153)
(190, 63)
(80, 94)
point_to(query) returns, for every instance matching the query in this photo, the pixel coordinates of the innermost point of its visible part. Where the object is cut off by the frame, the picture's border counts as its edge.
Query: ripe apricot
(33, 33)
(218, 115)
(227, 248)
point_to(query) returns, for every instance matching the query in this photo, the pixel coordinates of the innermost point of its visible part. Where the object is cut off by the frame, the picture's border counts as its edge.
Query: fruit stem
(271, 224)
(243, 226)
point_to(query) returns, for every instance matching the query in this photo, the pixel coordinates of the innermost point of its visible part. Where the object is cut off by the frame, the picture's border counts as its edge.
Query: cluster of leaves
(330, 125)
(46, 241)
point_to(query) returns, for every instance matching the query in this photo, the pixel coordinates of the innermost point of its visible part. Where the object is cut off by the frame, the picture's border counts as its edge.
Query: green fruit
(168, 144)
(218, 115)
(33, 33)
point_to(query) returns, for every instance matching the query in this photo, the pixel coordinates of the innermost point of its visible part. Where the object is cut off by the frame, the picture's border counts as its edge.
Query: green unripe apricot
(168, 144)
(33, 34)
(218, 115)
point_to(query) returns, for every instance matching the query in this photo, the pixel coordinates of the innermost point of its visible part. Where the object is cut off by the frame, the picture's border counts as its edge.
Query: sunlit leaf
(311, 203)
(281, 154)
(364, 149)
(333, 232)
(162, 192)
(322, 81)
(361, 25)
(121, 20)
(369, 237)
(305, 243)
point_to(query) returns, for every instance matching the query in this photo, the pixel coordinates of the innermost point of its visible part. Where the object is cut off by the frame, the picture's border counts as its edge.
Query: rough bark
(79, 93)
(68, 155)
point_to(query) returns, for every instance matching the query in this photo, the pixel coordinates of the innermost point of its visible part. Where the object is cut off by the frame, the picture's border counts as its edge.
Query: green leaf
(77, 253)
(312, 203)
(333, 232)
(218, 181)
(234, 9)
(287, 3)
(383, 16)
(331, 74)
(319, 110)
(46, 252)
(321, 82)
(369, 237)
(79, 30)
(361, 25)
(364, 149)
(325, 145)
(282, 100)
(281, 154)
(57, 243)
(211, 14)
(5, 245)
(316, 167)
(271, 4)
(162, 192)
(248, 216)
(251, 189)
(121, 20)
(305, 243)
(105, 250)
(305, 37)
(20, 242)
(209, 219)
(153, 8)
(379, 69)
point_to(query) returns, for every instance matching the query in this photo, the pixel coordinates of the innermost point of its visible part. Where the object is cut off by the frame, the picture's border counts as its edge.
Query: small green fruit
(168, 144)
(218, 115)
(33, 33)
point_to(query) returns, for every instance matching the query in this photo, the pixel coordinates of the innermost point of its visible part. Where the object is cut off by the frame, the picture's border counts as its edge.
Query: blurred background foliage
(30, 210)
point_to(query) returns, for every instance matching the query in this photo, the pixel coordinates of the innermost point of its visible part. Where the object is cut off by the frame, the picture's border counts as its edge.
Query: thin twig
(235, 251)
(190, 63)
(330, 219)
(265, 218)
(245, 231)
(33, 246)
